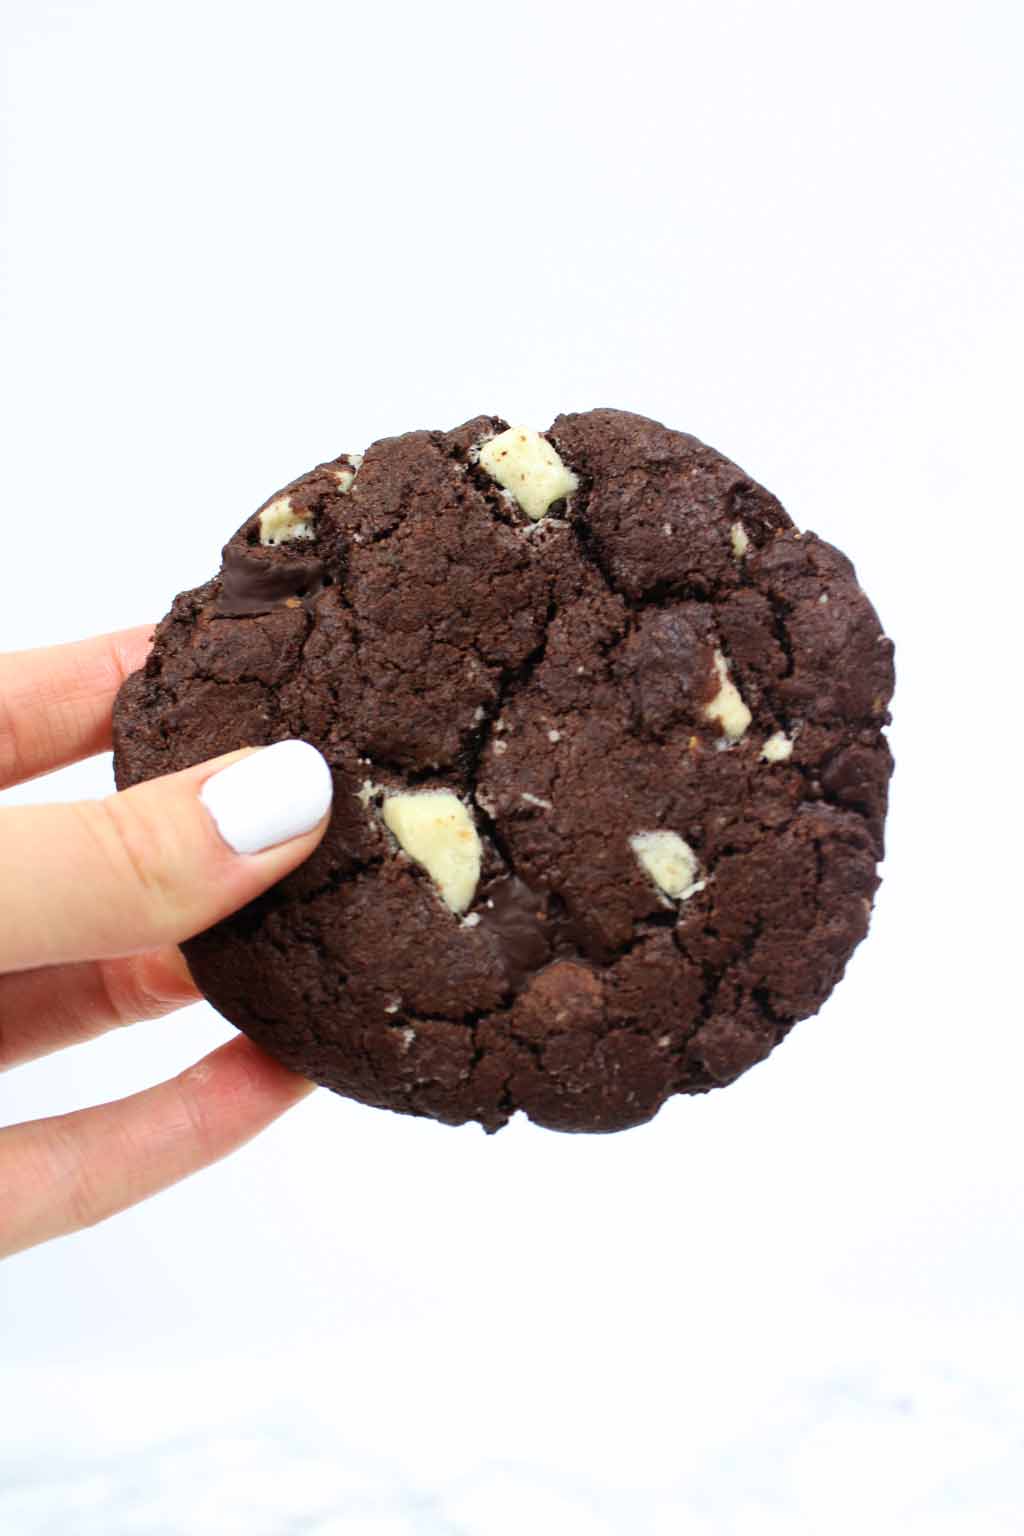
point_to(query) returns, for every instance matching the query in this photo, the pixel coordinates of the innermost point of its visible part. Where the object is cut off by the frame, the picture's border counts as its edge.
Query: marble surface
(928, 1449)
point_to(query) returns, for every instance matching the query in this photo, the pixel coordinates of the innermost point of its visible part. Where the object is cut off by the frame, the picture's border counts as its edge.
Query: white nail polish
(276, 794)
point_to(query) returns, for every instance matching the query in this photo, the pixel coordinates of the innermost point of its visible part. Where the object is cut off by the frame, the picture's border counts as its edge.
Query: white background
(241, 238)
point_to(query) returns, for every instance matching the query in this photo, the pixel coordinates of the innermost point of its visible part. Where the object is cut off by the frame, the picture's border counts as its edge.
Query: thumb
(159, 862)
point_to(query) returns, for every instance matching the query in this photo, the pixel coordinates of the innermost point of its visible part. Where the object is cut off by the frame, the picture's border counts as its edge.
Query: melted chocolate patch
(252, 582)
(518, 919)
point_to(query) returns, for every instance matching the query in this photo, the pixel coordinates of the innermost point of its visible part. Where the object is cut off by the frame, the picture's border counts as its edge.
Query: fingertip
(167, 978)
(273, 796)
(131, 647)
(237, 1090)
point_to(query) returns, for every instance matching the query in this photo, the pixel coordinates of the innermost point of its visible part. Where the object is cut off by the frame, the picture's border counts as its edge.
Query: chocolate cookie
(609, 771)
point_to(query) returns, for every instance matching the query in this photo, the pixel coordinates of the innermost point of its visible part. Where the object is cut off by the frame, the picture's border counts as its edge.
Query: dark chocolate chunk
(253, 581)
(517, 918)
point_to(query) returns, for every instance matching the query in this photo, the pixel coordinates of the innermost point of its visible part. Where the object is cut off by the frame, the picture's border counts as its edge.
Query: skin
(90, 944)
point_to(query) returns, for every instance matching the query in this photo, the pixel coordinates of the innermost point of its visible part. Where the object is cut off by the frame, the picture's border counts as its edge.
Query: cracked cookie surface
(610, 776)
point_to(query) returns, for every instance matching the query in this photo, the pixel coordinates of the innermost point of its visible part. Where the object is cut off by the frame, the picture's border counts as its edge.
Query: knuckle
(81, 1201)
(84, 1209)
(12, 1194)
(196, 1111)
(137, 990)
(126, 998)
(136, 849)
(10, 745)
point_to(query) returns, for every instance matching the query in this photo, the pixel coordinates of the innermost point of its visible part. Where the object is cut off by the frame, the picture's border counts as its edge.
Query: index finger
(55, 702)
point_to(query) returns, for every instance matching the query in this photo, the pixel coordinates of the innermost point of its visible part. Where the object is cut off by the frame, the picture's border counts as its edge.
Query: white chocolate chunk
(777, 748)
(527, 466)
(279, 523)
(670, 862)
(367, 792)
(740, 542)
(554, 736)
(345, 474)
(528, 799)
(727, 707)
(435, 829)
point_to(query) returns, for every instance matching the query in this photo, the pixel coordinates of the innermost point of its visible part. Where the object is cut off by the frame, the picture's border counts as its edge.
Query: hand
(93, 898)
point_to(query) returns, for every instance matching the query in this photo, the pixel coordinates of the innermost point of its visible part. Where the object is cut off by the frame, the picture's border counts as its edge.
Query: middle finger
(60, 1005)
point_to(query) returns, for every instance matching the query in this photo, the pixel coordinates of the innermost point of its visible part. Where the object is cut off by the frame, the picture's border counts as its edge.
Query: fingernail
(276, 794)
